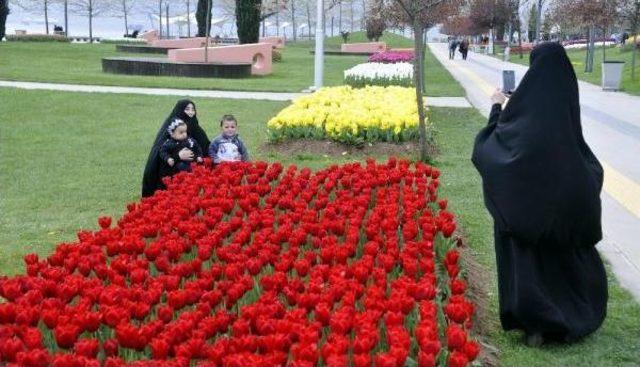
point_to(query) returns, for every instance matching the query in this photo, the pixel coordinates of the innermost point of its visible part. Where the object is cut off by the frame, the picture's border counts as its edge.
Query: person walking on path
(464, 48)
(453, 44)
(185, 110)
(541, 185)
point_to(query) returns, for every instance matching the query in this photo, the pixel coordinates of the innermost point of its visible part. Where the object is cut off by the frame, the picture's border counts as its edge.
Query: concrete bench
(276, 41)
(258, 54)
(364, 47)
(154, 41)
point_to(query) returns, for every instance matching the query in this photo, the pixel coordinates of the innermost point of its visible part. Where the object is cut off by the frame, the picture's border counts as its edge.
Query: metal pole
(319, 56)
(208, 25)
(166, 12)
(188, 20)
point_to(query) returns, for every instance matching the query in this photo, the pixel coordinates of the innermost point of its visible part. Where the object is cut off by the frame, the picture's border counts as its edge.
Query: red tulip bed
(252, 264)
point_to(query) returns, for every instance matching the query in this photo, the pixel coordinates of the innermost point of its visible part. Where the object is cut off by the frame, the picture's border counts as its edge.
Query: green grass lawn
(68, 158)
(577, 58)
(81, 64)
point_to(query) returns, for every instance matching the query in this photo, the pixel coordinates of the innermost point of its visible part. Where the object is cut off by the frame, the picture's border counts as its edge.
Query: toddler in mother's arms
(228, 147)
(178, 140)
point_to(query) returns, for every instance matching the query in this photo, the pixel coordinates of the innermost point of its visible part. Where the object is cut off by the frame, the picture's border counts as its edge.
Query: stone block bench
(257, 54)
(276, 41)
(164, 67)
(366, 47)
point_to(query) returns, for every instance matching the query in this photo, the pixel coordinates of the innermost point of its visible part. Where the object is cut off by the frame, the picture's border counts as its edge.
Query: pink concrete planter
(258, 54)
(364, 47)
(150, 36)
(276, 41)
(153, 40)
(180, 42)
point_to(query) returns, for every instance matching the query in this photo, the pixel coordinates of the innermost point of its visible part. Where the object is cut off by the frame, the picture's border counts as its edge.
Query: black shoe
(534, 340)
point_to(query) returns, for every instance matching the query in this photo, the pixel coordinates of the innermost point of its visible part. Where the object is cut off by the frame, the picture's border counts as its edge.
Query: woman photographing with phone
(542, 186)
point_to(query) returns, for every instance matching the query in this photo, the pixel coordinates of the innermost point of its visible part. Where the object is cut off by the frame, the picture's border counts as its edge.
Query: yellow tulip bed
(349, 115)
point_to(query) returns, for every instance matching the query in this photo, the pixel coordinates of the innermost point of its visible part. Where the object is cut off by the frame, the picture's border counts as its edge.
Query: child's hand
(170, 162)
(199, 159)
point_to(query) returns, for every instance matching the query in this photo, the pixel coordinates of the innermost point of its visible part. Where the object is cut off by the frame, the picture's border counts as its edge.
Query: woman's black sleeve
(496, 109)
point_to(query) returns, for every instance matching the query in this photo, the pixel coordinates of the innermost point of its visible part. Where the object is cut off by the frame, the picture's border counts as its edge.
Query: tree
(590, 13)
(122, 10)
(248, 20)
(631, 12)
(294, 28)
(201, 17)
(375, 24)
(489, 15)
(90, 9)
(36, 7)
(531, 29)
(420, 15)
(4, 12)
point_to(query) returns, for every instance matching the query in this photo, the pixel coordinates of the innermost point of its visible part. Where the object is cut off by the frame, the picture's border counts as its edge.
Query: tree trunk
(308, 20)
(364, 13)
(207, 23)
(520, 39)
(277, 19)
(340, 16)
(538, 20)
(634, 47)
(422, 60)
(604, 46)
(166, 14)
(124, 10)
(66, 18)
(590, 50)
(46, 15)
(4, 12)
(417, 77)
(332, 25)
(188, 18)
(293, 20)
(351, 15)
(160, 18)
(90, 21)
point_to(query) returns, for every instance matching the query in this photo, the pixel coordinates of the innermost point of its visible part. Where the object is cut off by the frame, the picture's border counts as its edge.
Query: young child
(228, 147)
(178, 140)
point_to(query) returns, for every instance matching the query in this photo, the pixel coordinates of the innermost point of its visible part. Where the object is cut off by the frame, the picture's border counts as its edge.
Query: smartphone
(508, 82)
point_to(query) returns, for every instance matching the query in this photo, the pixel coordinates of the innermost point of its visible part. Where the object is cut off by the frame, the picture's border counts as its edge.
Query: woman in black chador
(542, 185)
(186, 111)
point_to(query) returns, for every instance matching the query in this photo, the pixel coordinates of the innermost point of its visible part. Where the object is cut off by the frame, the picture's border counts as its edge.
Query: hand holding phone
(508, 82)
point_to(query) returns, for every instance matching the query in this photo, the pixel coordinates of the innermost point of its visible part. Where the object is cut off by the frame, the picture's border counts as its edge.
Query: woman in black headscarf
(542, 185)
(186, 111)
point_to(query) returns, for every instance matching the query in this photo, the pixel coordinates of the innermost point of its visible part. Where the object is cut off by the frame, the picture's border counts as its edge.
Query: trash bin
(612, 74)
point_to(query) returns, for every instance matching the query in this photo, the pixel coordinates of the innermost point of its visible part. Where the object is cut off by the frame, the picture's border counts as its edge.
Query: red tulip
(66, 335)
(457, 359)
(456, 337)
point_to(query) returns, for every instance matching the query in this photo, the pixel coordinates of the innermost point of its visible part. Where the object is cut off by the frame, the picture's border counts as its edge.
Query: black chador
(542, 185)
(152, 179)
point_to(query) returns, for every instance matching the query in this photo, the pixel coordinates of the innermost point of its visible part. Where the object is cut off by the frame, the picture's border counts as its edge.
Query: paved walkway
(611, 126)
(457, 102)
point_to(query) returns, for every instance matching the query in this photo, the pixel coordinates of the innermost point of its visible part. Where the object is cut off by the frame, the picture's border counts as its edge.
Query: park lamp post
(319, 55)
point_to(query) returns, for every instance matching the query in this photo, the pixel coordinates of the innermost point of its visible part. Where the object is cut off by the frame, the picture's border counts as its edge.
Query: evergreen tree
(4, 12)
(201, 17)
(248, 20)
(533, 15)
